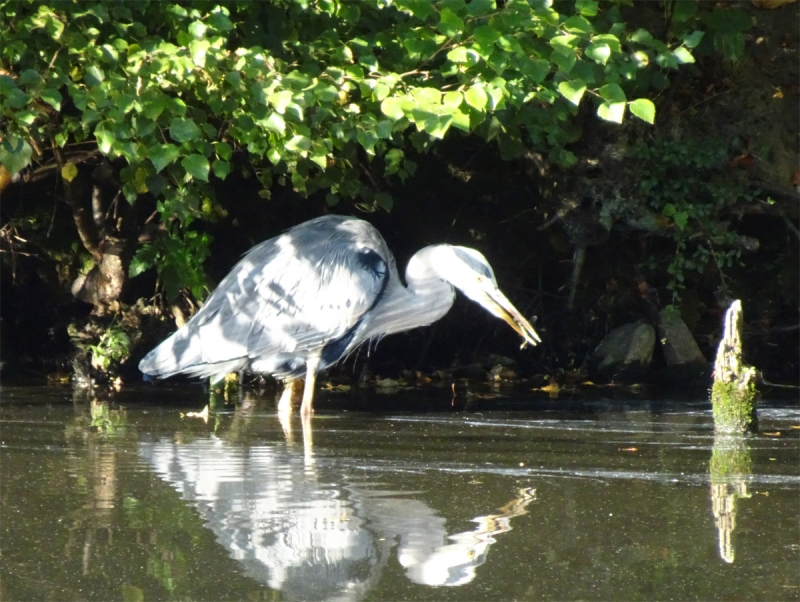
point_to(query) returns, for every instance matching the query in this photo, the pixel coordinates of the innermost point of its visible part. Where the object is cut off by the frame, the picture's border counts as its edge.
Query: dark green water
(564, 500)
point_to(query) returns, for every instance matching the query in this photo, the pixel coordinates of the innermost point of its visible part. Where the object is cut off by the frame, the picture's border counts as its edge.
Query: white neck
(426, 299)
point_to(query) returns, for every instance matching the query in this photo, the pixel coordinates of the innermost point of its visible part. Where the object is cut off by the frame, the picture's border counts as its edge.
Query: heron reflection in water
(298, 303)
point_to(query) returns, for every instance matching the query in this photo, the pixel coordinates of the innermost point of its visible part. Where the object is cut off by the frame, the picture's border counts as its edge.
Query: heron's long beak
(496, 302)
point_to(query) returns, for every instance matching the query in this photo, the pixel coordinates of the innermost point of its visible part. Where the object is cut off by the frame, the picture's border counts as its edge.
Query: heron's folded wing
(287, 298)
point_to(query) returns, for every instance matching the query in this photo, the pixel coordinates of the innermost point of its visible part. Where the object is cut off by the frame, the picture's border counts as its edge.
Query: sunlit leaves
(644, 109)
(613, 107)
(600, 53)
(572, 90)
(180, 93)
(392, 108)
(477, 98)
(682, 55)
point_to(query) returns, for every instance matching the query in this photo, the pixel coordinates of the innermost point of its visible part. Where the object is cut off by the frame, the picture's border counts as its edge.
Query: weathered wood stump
(733, 393)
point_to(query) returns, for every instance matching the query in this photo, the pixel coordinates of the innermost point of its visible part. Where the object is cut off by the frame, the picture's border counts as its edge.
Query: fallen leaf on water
(203, 414)
(795, 426)
(775, 434)
(629, 449)
(329, 386)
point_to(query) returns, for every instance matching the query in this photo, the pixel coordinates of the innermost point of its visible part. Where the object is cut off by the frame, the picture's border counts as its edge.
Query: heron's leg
(306, 408)
(285, 402)
(308, 440)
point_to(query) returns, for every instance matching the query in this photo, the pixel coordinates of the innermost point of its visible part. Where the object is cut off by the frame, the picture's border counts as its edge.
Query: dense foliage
(323, 95)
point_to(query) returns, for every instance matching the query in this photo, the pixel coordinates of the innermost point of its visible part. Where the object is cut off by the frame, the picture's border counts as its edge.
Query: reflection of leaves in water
(107, 421)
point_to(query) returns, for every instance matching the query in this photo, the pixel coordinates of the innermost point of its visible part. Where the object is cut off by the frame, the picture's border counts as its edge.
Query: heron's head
(468, 271)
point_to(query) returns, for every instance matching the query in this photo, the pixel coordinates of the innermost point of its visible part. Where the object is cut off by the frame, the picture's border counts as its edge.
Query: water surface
(397, 497)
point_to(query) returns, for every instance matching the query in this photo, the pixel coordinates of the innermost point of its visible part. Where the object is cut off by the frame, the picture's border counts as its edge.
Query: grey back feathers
(288, 296)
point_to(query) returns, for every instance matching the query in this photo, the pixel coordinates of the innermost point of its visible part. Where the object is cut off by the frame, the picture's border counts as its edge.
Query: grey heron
(300, 302)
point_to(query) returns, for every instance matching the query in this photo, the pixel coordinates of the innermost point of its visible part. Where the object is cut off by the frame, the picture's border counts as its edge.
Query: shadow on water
(607, 499)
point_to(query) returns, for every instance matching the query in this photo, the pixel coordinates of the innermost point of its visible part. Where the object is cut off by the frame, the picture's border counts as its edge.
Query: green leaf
(384, 201)
(275, 122)
(280, 100)
(144, 258)
(51, 97)
(481, 7)
(427, 96)
(461, 120)
(612, 111)
(161, 155)
(509, 44)
(29, 77)
(599, 53)
(326, 92)
(536, 69)
(642, 36)
(683, 55)
(392, 108)
(105, 139)
(564, 57)
(197, 29)
(644, 109)
(485, 35)
(223, 150)
(368, 139)
(612, 93)
(25, 118)
(94, 76)
(452, 99)
(667, 60)
(578, 24)
(587, 8)
(221, 168)
(573, 90)
(198, 49)
(15, 154)
(421, 9)
(321, 160)
(196, 165)
(450, 24)
(380, 91)
(477, 98)
(183, 129)
(690, 40)
(609, 40)
(298, 143)
(458, 55)
(7, 85)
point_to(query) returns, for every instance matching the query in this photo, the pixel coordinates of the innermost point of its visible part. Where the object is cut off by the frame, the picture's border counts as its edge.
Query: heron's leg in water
(306, 408)
(290, 390)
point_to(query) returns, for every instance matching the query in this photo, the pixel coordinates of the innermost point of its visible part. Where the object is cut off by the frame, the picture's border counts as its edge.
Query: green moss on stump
(734, 405)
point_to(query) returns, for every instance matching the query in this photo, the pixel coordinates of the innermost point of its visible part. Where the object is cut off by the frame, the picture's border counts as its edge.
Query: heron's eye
(480, 278)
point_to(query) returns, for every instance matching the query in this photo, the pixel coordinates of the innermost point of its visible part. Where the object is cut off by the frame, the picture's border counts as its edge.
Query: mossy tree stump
(733, 393)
